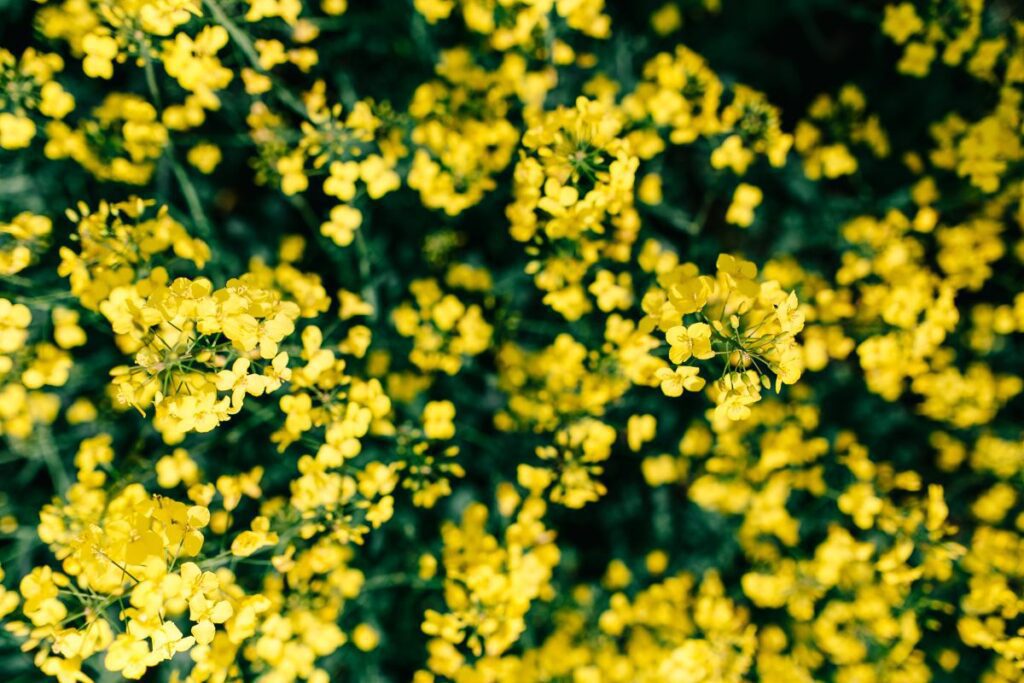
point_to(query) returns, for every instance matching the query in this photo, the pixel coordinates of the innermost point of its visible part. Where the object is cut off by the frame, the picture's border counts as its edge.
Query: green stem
(241, 39)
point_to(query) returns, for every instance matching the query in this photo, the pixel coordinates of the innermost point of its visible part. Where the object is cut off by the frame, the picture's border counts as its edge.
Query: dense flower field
(512, 340)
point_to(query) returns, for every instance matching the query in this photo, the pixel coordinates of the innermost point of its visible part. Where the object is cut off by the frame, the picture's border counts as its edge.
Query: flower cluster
(831, 126)
(751, 324)
(27, 87)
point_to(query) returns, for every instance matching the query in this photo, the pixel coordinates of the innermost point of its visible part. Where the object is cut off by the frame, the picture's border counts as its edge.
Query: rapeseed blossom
(524, 340)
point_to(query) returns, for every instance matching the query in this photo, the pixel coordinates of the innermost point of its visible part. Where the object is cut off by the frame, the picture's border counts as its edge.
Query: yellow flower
(81, 411)
(666, 19)
(732, 154)
(344, 221)
(674, 382)
(352, 305)
(205, 614)
(379, 176)
(438, 419)
(649, 190)
(249, 542)
(239, 382)
(341, 182)
(176, 468)
(194, 64)
(901, 22)
(639, 430)
(293, 176)
(16, 132)
(128, 656)
(689, 342)
(745, 199)
(205, 157)
(365, 637)
(100, 50)
(66, 332)
(917, 59)
(434, 10)
(14, 321)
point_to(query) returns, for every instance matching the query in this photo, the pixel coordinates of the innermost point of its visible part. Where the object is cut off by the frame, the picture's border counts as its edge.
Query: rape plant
(512, 340)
